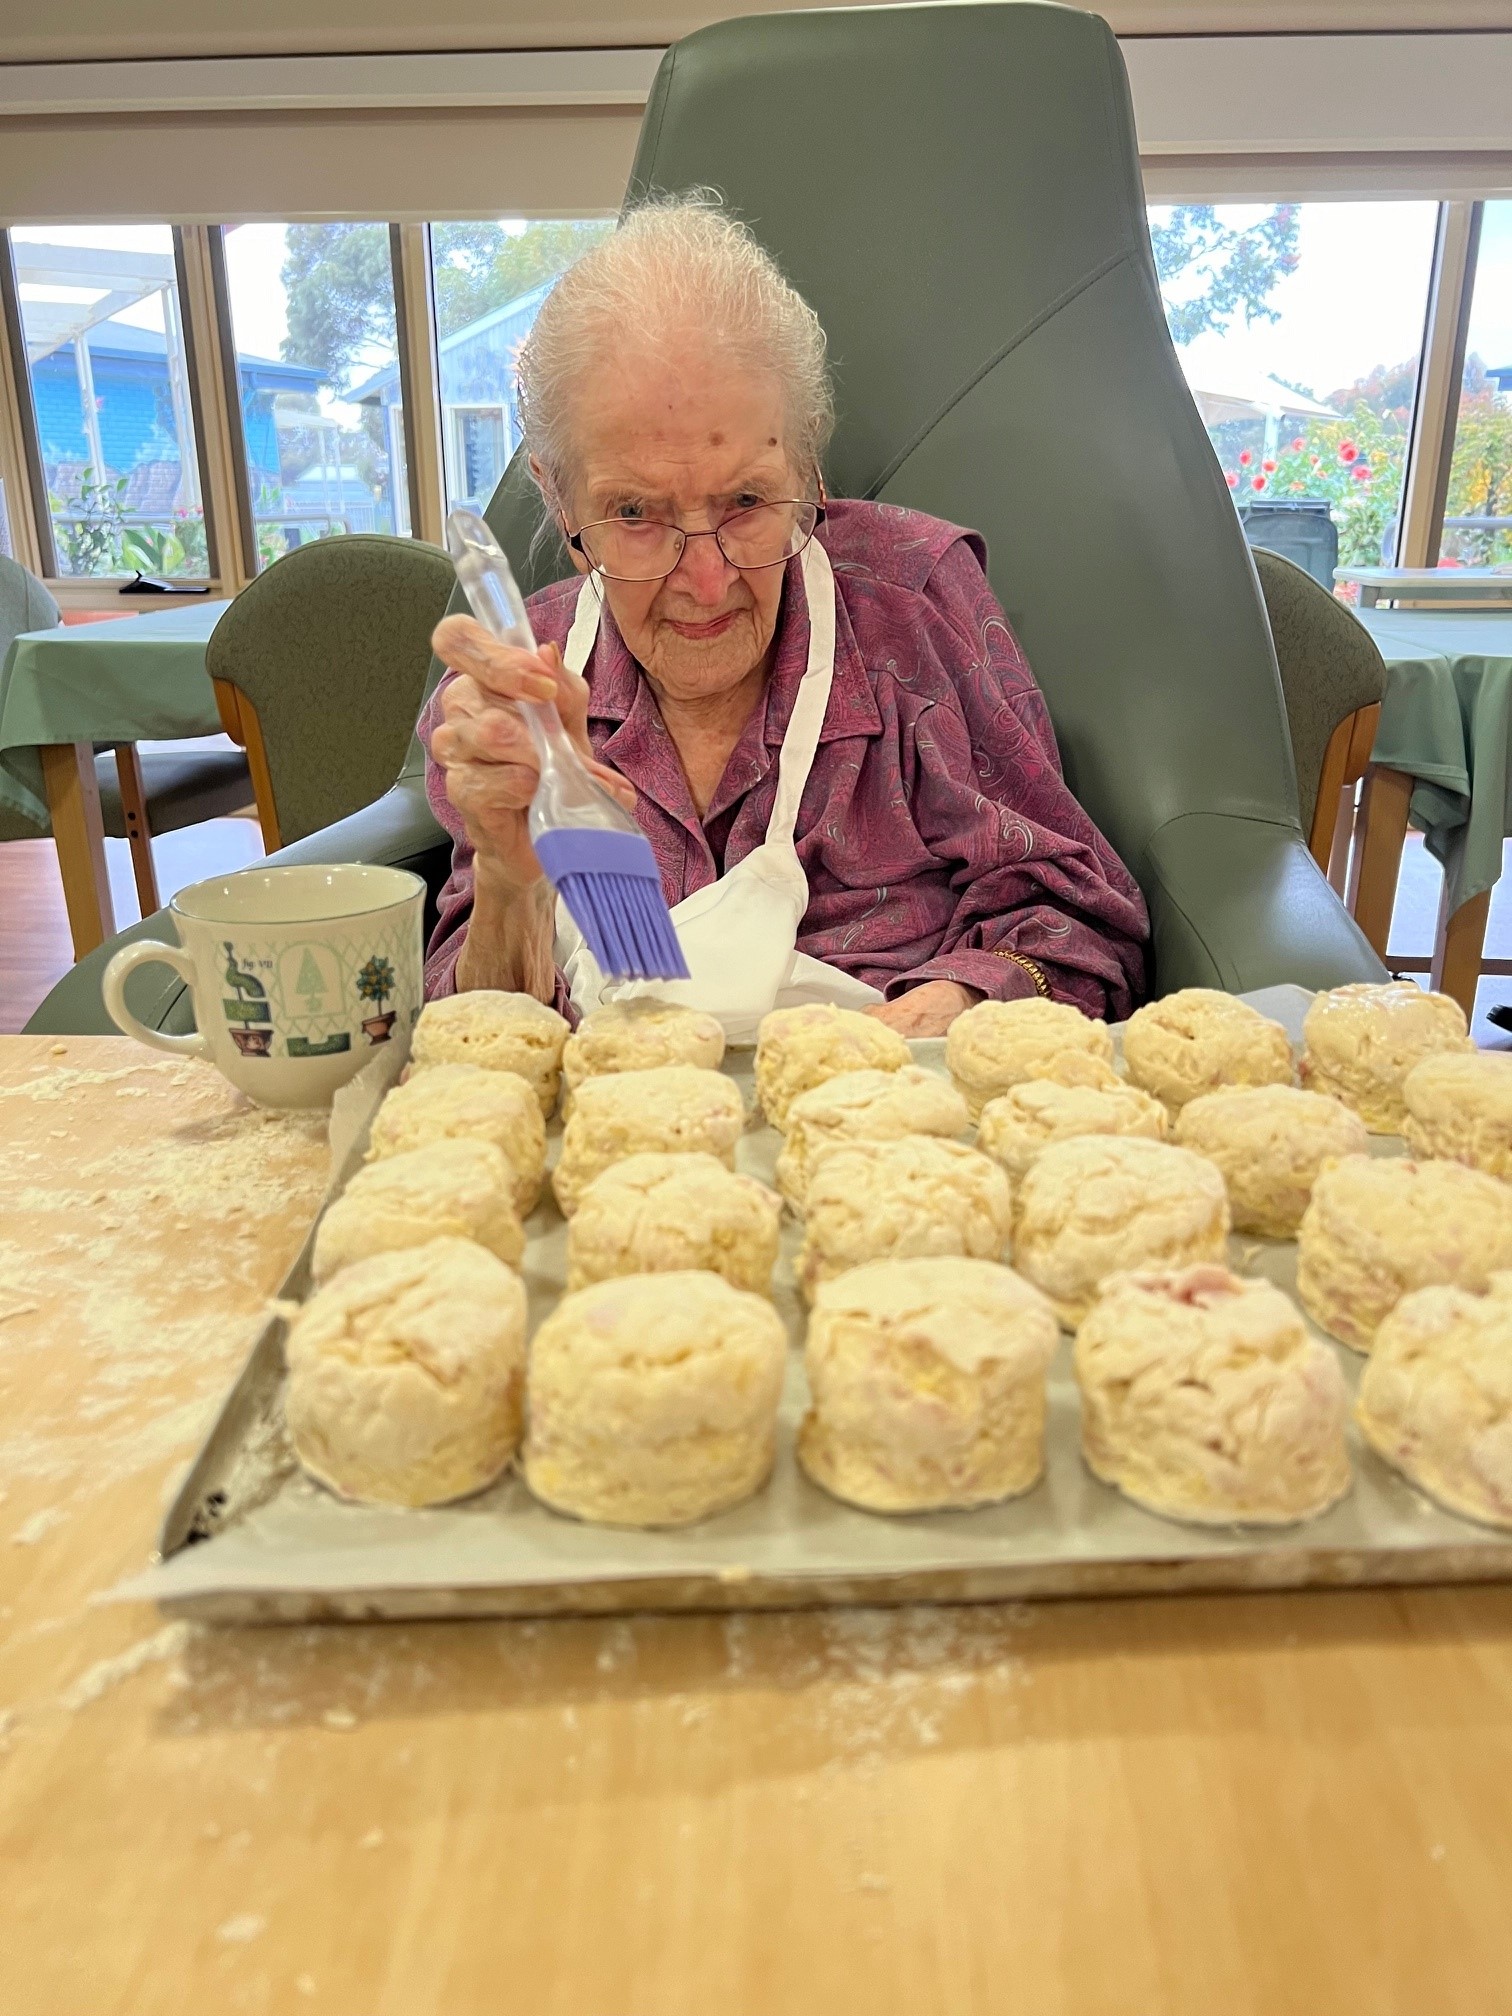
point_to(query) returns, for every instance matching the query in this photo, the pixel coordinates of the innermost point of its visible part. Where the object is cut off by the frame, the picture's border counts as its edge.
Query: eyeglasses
(647, 549)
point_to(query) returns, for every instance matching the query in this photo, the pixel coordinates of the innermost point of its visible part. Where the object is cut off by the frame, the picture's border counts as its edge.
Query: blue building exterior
(479, 401)
(134, 403)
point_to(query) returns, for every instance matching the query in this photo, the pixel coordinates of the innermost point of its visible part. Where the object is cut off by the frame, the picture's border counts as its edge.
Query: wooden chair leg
(73, 799)
(239, 719)
(1377, 863)
(1457, 947)
(1343, 839)
(138, 827)
(1331, 780)
(1344, 764)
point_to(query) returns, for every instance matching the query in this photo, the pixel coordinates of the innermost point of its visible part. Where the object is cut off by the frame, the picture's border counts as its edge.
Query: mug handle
(149, 952)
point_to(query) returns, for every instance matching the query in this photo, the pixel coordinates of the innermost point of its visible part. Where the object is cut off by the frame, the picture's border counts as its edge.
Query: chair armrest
(397, 830)
(1239, 903)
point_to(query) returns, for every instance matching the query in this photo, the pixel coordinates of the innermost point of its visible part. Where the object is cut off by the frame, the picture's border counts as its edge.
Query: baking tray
(249, 1539)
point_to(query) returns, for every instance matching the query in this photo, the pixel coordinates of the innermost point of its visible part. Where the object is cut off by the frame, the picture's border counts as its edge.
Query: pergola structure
(68, 290)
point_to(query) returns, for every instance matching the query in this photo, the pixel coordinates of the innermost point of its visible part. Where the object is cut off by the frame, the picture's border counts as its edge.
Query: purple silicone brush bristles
(611, 885)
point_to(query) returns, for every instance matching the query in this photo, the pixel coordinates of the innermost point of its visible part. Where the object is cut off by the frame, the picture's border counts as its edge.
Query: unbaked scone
(454, 1189)
(1436, 1397)
(1020, 1123)
(902, 1200)
(1204, 1398)
(637, 1035)
(1459, 1109)
(864, 1106)
(1361, 1041)
(653, 1399)
(672, 1109)
(927, 1385)
(1270, 1141)
(1101, 1204)
(1379, 1226)
(665, 1214)
(407, 1375)
(499, 1032)
(998, 1044)
(462, 1102)
(1197, 1039)
(799, 1048)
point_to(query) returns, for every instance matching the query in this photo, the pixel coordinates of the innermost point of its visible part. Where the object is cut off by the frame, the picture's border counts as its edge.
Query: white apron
(740, 933)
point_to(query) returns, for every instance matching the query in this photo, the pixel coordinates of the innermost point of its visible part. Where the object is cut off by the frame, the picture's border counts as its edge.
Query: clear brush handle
(567, 795)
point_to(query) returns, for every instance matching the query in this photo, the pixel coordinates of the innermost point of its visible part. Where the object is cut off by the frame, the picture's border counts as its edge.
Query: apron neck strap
(810, 703)
(585, 623)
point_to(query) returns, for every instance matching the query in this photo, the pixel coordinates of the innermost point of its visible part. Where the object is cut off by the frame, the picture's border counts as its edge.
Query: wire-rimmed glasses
(649, 549)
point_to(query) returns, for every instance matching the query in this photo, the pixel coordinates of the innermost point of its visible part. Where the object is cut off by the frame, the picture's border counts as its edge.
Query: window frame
(210, 363)
(81, 590)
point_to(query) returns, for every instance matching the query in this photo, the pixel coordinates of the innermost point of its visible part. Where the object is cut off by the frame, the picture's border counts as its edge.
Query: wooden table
(67, 689)
(1254, 1806)
(1441, 752)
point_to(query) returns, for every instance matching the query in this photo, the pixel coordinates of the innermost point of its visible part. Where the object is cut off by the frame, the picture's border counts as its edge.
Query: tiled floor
(35, 950)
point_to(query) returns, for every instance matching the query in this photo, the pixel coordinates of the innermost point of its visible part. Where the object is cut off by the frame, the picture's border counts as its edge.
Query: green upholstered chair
(966, 216)
(319, 666)
(179, 786)
(1333, 677)
(957, 192)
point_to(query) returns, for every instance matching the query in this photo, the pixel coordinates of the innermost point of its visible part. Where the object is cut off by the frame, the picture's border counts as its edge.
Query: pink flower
(1347, 451)
(1231, 479)
(1361, 473)
(1245, 458)
(1298, 445)
(1269, 467)
(1257, 482)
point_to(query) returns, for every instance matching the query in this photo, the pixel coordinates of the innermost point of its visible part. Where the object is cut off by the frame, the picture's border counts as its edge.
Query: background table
(1428, 584)
(64, 690)
(1446, 723)
(1265, 1806)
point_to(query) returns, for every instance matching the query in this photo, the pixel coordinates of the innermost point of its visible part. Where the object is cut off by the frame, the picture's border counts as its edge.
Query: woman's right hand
(485, 748)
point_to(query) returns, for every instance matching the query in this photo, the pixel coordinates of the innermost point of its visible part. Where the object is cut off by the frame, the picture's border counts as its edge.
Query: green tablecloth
(1447, 721)
(142, 680)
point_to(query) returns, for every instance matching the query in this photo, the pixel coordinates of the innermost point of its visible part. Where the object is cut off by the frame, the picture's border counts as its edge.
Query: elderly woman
(789, 692)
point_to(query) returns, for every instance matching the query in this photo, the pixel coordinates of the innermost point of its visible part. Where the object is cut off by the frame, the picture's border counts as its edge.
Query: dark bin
(1299, 529)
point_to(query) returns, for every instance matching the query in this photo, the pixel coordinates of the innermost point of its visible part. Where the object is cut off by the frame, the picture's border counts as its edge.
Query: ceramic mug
(297, 975)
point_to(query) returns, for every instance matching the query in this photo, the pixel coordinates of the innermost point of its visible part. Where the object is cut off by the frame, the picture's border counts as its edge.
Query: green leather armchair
(956, 190)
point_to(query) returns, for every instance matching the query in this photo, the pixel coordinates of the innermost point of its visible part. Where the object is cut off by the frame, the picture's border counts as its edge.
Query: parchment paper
(291, 1550)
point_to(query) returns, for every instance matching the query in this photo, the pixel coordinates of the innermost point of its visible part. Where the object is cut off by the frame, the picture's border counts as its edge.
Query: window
(479, 449)
(489, 280)
(1299, 328)
(312, 317)
(1478, 508)
(110, 392)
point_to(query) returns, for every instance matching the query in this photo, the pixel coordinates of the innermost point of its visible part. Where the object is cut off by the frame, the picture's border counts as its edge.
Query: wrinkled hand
(485, 748)
(928, 1010)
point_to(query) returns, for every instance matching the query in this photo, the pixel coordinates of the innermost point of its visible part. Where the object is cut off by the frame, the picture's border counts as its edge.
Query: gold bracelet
(1041, 984)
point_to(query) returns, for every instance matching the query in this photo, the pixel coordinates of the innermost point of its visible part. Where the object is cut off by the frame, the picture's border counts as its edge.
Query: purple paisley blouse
(936, 830)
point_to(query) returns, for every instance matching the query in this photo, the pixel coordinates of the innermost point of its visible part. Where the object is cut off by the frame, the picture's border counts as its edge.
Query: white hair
(675, 264)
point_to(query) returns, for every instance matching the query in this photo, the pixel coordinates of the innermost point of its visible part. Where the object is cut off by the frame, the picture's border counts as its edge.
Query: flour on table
(96, 1680)
(38, 1526)
(244, 1927)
